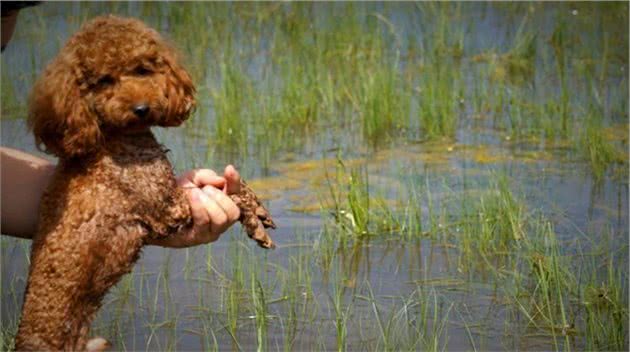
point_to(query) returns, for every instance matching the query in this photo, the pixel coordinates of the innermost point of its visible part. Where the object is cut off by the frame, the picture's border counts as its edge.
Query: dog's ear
(180, 90)
(59, 115)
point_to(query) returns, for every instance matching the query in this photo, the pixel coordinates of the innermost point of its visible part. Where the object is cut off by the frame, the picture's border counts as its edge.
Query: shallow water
(387, 286)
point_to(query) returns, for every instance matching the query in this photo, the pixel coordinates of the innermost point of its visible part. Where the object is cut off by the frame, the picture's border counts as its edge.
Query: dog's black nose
(141, 110)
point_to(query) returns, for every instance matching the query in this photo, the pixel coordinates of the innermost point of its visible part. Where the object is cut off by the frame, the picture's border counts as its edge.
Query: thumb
(232, 180)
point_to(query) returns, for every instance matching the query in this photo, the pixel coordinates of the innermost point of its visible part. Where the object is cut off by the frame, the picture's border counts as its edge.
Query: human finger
(226, 204)
(207, 177)
(200, 178)
(232, 180)
(218, 219)
(197, 205)
(201, 218)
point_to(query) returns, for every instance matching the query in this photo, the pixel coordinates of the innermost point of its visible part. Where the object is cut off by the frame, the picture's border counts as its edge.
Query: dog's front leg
(170, 218)
(71, 271)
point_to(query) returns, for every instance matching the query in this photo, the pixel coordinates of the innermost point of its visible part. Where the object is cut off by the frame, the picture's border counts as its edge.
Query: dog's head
(114, 74)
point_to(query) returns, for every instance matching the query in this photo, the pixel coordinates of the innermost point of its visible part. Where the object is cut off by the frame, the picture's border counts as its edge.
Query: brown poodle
(113, 187)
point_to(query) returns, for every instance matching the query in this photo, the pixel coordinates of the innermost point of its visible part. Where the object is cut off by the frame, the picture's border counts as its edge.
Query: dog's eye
(142, 71)
(105, 81)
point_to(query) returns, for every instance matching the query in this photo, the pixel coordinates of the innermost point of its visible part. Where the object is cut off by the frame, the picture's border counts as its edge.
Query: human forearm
(24, 178)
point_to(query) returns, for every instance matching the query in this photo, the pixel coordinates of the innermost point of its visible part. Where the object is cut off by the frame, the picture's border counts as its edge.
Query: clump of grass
(596, 148)
(440, 89)
(551, 285)
(229, 101)
(300, 309)
(233, 298)
(299, 101)
(342, 314)
(605, 304)
(520, 60)
(520, 250)
(356, 211)
(384, 103)
(559, 43)
(420, 322)
(351, 200)
(517, 65)
(411, 223)
(439, 98)
(283, 118)
(492, 226)
(260, 312)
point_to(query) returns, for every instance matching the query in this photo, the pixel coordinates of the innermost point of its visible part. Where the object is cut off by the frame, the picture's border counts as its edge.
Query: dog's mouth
(140, 116)
(176, 119)
(136, 126)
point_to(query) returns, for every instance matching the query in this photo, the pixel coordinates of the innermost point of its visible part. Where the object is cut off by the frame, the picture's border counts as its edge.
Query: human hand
(213, 211)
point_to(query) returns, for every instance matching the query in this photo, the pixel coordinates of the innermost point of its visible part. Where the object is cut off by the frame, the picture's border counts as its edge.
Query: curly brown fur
(255, 218)
(113, 187)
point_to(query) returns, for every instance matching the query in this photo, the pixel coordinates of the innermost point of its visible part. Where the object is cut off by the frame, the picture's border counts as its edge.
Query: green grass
(498, 236)
(291, 71)
(606, 308)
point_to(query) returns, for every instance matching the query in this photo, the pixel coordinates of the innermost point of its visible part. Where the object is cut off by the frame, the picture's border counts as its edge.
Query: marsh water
(443, 176)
